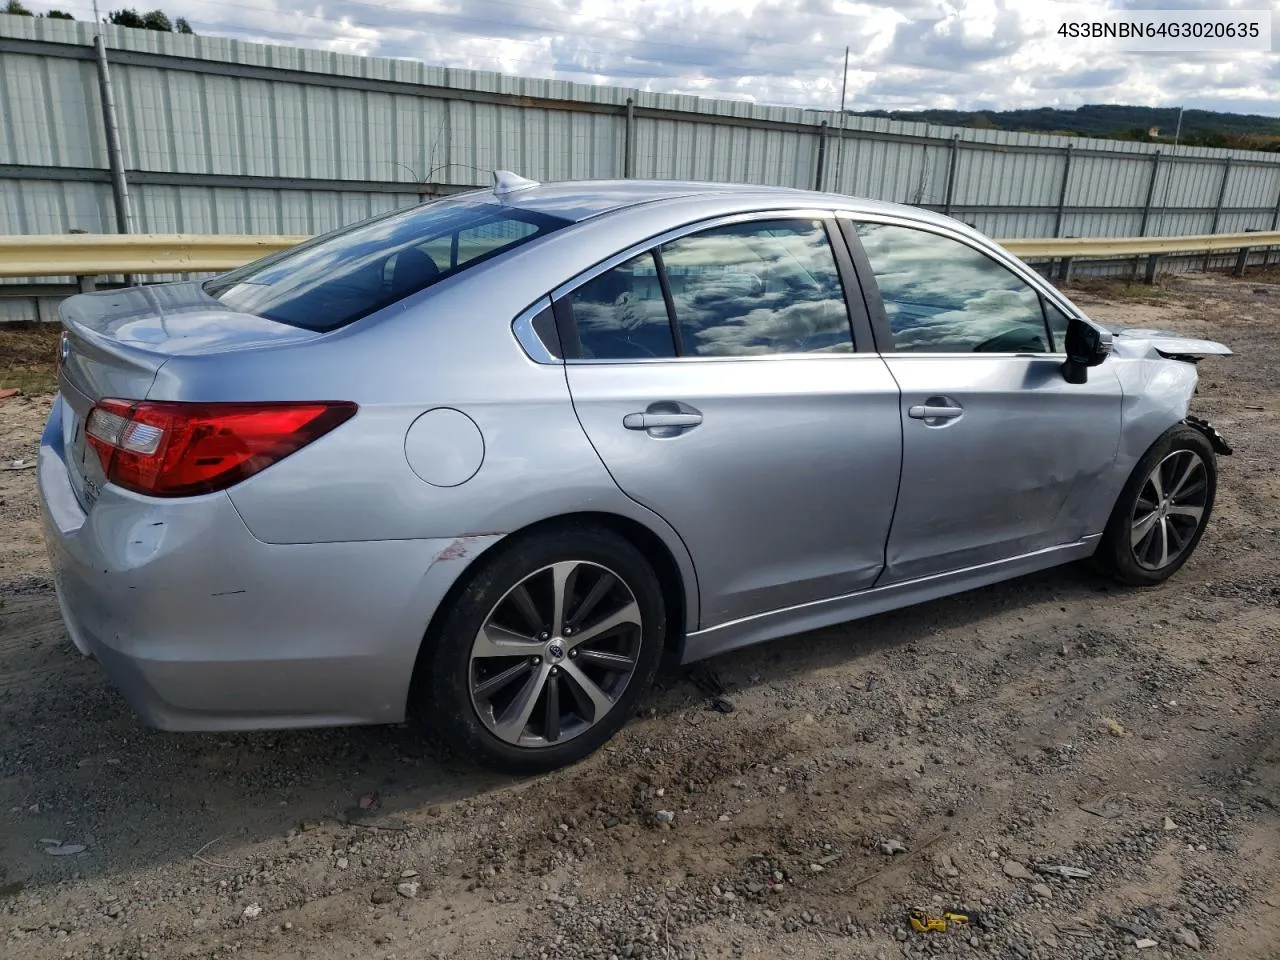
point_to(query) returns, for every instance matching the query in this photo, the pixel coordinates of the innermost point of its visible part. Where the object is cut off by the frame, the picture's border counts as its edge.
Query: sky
(905, 54)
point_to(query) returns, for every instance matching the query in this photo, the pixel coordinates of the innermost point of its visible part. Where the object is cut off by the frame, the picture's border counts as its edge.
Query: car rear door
(1000, 453)
(730, 385)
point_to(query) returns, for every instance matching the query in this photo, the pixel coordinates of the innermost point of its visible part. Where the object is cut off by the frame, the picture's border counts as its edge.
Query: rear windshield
(340, 277)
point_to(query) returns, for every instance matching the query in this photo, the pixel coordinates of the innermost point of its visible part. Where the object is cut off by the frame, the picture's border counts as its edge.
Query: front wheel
(1162, 511)
(547, 650)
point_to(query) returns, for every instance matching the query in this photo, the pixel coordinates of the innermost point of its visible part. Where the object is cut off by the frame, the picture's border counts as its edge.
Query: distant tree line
(151, 20)
(18, 10)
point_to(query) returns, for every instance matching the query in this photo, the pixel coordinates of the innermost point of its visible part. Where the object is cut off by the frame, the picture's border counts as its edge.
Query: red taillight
(181, 449)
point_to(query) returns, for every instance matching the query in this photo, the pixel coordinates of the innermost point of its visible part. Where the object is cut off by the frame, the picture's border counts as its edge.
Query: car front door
(1000, 452)
(717, 376)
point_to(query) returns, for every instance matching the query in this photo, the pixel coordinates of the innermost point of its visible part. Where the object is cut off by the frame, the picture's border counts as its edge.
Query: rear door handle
(648, 421)
(927, 411)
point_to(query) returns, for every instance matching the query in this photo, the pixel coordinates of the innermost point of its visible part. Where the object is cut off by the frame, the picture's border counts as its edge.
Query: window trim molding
(664, 282)
(652, 245)
(527, 336)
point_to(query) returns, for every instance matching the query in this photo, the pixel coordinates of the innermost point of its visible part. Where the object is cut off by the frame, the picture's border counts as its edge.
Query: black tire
(1117, 555)
(450, 708)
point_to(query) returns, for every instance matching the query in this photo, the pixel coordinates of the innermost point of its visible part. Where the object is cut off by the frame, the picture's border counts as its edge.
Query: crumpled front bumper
(1219, 443)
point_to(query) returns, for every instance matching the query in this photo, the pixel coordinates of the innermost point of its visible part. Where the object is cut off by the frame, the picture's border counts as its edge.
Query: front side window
(943, 296)
(759, 287)
(338, 278)
(1058, 322)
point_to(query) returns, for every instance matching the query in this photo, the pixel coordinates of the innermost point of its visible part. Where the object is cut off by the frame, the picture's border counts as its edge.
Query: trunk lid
(115, 342)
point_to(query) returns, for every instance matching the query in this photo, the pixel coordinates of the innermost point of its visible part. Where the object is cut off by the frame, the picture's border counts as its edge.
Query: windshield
(338, 278)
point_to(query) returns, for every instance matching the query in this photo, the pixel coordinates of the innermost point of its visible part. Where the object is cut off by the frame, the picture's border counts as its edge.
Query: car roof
(579, 200)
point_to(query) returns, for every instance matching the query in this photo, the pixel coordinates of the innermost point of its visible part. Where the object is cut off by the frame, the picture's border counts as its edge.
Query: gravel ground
(1054, 721)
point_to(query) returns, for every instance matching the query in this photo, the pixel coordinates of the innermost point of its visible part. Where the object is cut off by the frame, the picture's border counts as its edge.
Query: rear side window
(749, 289)
(757, 288)
(621, 314)
(338, 278)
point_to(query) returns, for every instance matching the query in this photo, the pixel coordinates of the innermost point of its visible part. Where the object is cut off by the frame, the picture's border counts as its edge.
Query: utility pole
(115, 155)
(844, 86)
(1168, 181)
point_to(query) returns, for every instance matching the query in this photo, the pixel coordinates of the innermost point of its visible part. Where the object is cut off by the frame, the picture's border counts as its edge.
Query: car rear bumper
(203, 627)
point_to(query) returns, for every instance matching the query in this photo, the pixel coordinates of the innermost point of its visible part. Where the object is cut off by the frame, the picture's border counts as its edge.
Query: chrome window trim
(986, 247)
(527, 337)
(675, 233)
(926, 355)
(734, 359)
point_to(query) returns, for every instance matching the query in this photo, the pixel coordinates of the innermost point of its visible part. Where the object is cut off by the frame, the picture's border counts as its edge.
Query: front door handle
(649, 421)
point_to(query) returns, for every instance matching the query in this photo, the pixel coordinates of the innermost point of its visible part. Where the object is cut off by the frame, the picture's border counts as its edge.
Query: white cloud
(966, 54)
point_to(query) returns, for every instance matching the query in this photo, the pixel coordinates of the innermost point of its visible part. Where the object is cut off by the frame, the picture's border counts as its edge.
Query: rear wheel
(547, 650)
(1162, 511)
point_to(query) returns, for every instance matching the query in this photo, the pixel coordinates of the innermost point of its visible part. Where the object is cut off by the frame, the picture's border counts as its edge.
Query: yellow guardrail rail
(101, 254)
(88, 255)
(1138, 246)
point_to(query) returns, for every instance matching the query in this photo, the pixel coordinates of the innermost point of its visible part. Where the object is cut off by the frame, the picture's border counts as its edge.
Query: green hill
(1204, 128)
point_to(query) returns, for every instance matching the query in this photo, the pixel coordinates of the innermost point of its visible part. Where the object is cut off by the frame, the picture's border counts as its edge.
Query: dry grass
(1266, 275)
(1118, 289)
(28, 353)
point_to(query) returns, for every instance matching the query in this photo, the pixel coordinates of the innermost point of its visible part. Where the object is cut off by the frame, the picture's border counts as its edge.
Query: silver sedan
(488, 459)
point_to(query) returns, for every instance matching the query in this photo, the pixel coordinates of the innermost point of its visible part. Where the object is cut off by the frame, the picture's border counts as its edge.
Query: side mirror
(1086, 346)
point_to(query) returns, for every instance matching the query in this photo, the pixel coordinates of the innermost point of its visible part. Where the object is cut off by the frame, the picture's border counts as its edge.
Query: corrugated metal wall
(222, 136)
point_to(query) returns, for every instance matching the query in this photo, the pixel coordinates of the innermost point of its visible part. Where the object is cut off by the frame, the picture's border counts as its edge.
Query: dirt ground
(1055, 720)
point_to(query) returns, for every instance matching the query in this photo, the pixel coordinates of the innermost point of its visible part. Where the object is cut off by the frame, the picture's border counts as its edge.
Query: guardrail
(1067, 250)
(103, 254)
(93, 255)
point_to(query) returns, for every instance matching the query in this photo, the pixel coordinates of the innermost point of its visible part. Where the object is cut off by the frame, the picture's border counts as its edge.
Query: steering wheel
(640, 346)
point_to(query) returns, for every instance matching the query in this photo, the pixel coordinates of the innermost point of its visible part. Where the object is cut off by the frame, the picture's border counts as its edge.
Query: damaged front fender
(1157, 388)
(1171, 383)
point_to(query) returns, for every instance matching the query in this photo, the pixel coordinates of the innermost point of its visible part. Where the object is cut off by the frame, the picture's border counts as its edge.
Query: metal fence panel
(50, 112)
(1010, 179)
(1118, 224)
(28, 206)
(899, 172)
(1111, 181)
(1010, 226)
(332, 137)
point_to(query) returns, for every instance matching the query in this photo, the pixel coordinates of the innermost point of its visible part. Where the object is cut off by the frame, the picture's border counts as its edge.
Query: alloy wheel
(1170, 510)
(555, 654)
